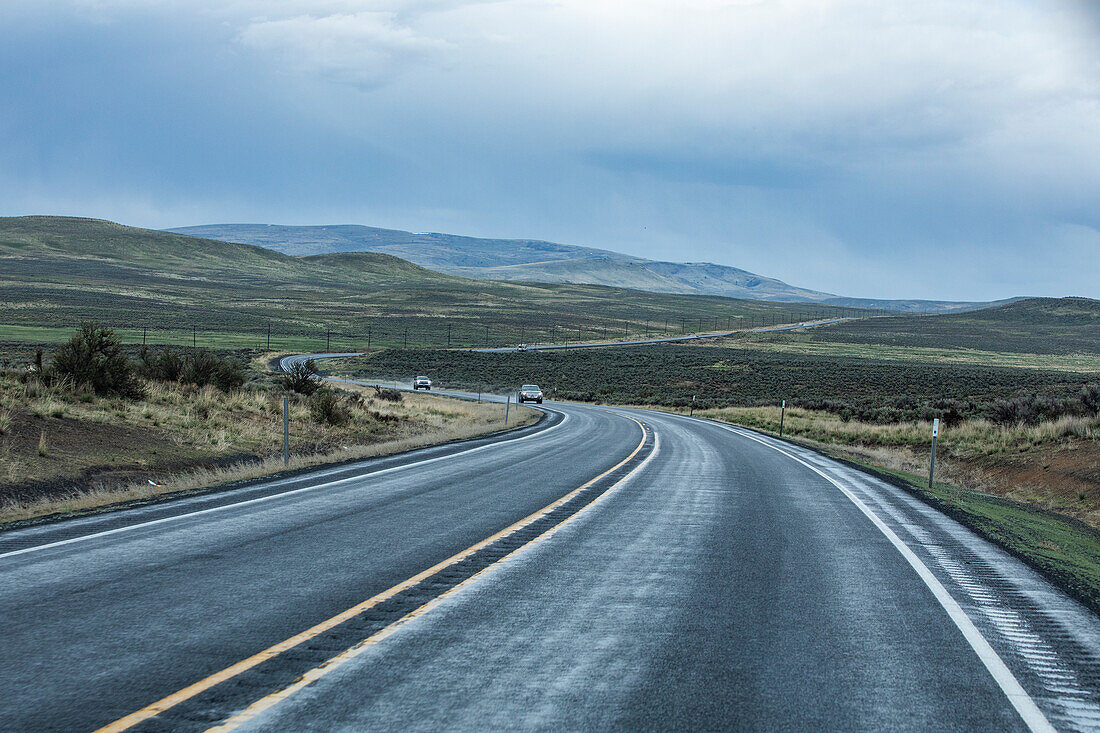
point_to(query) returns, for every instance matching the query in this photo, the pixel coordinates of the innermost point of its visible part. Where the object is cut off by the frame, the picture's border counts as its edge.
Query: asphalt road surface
(603, 569)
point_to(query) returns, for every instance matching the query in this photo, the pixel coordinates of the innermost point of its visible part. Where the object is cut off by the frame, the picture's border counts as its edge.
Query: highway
(664, 340)
(606, 568)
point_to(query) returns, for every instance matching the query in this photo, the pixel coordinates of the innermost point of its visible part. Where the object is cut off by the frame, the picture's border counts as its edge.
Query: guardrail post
(507, 404)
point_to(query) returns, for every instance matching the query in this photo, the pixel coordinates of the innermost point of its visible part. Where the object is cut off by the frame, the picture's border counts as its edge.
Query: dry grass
(967, 438)
(186, 438)
(1054, 465)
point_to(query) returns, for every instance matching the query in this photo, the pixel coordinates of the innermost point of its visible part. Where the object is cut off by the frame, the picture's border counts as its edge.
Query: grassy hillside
(49, 238)
(1059, 326)
(56, 272)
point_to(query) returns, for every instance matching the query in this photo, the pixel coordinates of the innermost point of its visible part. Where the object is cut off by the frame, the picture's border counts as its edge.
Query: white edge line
(1032, 716)
(322, 670)
(279, 495)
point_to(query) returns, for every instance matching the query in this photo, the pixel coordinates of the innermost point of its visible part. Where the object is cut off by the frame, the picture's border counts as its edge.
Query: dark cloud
(923, 152)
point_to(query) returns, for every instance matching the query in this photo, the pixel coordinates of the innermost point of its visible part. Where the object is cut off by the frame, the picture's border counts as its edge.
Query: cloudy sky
(878, 148)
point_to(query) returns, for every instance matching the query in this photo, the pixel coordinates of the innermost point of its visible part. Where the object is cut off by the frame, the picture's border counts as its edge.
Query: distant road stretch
(670, 339)
(606, 568)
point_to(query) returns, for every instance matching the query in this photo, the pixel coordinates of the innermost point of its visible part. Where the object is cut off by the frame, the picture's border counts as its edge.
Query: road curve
(612, 568)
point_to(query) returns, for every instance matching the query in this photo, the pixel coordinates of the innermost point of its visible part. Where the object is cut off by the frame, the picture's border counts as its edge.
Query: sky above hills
(877, 148)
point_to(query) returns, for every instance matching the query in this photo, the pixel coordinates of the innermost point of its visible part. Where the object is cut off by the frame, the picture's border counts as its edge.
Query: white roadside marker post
(692, 410)
(932, 462)
(782, 412)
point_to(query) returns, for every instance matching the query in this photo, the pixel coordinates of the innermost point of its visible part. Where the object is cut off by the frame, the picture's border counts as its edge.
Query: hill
(1059, 326)
(59, 271)
(658, 277)
(429, 249)
(526, 260)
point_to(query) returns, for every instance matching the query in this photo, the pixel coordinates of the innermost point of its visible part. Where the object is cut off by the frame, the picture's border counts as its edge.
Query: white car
(422, 383)
(530, 393)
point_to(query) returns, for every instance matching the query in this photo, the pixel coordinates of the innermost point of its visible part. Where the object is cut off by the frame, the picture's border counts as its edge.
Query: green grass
(1064, 550)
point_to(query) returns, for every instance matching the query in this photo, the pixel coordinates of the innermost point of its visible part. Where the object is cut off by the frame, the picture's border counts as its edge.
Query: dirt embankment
(63, 450)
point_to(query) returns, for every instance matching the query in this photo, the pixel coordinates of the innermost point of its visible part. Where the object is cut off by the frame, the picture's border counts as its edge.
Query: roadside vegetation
(668, 375)
(89, 425)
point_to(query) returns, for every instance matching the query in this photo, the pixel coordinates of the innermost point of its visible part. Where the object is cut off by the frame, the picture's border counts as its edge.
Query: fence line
(414, 333)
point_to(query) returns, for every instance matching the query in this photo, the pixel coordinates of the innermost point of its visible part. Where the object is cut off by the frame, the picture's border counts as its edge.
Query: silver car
(530, 393)
(422, 383)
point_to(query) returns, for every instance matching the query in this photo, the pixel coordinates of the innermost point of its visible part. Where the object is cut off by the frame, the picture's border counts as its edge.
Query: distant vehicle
(422, 383)
(521, 347)
(530, 393)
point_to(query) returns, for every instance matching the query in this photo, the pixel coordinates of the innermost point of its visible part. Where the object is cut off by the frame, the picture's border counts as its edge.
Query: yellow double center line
(166, 703)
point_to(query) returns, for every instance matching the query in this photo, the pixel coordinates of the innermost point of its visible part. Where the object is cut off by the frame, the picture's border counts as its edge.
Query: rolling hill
(1055, 326)
(527, 260)
(58, 271)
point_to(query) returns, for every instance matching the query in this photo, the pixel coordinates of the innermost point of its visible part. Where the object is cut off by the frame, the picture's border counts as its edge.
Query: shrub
(164, 365)
(325, 408)
(201, 368)
(301, 377)
(1090, 398)
(94, 358)
(385, 393)
(205, 368)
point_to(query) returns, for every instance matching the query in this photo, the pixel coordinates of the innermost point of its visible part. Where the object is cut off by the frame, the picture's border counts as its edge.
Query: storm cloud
(879, 149)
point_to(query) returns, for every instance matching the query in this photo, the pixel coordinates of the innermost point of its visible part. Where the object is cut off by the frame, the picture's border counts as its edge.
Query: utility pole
(143, 335)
